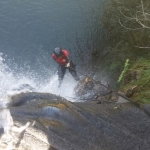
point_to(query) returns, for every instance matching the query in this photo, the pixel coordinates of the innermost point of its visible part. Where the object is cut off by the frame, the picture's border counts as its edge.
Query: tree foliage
(127, 24)
(128, 21)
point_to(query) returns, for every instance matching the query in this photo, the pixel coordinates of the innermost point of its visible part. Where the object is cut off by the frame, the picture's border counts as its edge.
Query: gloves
(68, 65)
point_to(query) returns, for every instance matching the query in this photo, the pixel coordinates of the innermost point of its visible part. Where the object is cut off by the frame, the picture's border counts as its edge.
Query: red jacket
(62, 60)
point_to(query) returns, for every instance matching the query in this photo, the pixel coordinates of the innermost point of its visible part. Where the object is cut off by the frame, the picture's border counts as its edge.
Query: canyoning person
(61, 56)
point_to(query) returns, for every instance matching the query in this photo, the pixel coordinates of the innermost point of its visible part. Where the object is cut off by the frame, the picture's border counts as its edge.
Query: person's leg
(61, 73)
(72, 70)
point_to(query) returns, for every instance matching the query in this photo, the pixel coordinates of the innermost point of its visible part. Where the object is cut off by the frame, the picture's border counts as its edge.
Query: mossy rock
(138, 75)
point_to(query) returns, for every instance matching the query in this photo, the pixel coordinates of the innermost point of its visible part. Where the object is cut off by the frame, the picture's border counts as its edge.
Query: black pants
(72, 70)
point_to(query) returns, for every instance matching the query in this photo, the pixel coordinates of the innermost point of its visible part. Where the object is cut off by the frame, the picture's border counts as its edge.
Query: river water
(31, 29)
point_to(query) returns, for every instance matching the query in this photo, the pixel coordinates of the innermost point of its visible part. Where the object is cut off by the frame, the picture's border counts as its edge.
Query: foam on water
(13, 83)
(66, 89)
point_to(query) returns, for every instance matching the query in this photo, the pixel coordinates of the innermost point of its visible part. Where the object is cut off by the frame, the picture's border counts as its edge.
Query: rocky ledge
(58, 124)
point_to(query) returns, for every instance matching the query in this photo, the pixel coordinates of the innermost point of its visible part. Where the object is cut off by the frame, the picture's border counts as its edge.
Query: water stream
(29, 32)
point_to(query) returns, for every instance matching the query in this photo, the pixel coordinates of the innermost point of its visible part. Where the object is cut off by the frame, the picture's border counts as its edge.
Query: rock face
(91, 89)
(63, 125)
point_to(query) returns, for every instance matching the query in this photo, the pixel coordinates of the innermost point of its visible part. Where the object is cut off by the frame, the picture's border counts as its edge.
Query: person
(61, 56)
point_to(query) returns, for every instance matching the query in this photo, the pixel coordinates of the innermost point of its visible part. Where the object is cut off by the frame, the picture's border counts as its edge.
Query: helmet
(58, 51)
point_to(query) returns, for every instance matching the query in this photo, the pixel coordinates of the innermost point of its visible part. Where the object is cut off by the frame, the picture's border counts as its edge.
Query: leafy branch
(124, 70)
(141, 18)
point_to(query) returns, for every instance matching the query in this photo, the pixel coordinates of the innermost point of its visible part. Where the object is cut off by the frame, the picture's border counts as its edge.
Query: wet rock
(60, 124)
(21, 88)
(91, 89)
(131, 91)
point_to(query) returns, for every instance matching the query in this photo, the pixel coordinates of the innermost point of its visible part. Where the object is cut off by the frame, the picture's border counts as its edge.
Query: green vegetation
(141, 80)
(124, 70)
(127, 24)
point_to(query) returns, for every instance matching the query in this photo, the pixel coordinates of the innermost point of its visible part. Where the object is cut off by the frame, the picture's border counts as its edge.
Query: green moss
(141, 63)
(142, 97)
(143, 82)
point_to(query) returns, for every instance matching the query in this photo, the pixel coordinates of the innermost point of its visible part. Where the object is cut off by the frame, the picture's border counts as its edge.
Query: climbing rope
(93, 79)
(119, 94)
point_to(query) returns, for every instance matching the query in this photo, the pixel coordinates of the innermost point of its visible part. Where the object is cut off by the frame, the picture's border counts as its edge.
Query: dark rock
(60, 124)
(91, 89)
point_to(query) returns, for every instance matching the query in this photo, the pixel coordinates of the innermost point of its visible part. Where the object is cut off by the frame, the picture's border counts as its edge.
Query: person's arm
(68, 59)
(53, 56)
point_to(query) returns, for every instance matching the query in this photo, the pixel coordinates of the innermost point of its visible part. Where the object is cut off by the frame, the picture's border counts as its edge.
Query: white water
(13, 83)
(66, 89)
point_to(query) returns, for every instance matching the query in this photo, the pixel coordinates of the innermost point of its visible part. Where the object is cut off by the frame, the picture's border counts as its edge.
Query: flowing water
(29, 32)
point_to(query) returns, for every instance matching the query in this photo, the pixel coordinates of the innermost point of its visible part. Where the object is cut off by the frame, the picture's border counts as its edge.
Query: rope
(92, 79)
(119, 94)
